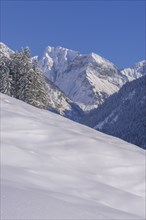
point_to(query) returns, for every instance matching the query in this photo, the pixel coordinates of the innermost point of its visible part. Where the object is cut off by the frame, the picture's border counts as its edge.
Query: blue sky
(112, 29)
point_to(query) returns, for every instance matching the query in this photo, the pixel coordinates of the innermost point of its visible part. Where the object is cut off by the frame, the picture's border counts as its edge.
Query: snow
(136, 71)
(87, 79)
(100, 60)
(5, 50)
(57, 101)
(54, 168)
(56, 59)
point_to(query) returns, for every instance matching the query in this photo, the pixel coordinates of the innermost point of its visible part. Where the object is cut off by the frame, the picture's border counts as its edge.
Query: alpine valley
(59, 157)
(78, 86)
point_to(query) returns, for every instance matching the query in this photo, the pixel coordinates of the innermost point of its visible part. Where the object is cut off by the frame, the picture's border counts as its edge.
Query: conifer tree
(23, 79)
(5, 78)
(39, 86)
(28, 79)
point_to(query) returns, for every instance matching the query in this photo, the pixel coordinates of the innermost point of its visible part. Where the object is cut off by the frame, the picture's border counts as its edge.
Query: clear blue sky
(112, 29)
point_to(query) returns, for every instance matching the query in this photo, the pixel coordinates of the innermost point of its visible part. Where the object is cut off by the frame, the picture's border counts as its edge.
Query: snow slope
(86, 79)
(53, 168)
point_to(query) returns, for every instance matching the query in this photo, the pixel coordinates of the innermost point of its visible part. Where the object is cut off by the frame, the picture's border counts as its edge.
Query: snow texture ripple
(54, 168)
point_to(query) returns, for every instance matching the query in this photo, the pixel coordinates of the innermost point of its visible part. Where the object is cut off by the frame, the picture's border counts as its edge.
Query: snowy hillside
(87, 79)
(53, 168)
(123, 114)
(136, 71)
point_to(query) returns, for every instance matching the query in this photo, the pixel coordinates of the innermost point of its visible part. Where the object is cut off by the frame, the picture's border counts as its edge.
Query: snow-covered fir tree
(26, 82)
(40, 86)
(5, 78)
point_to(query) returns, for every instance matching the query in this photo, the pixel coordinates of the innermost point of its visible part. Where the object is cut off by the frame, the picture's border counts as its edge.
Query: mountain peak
(97, 58)
(86, 78)
(139, 64)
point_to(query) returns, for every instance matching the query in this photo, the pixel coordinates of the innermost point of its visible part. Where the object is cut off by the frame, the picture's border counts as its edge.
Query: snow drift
(53, 168)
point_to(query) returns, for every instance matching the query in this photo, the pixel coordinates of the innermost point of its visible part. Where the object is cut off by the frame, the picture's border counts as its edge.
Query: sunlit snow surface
(53, 168)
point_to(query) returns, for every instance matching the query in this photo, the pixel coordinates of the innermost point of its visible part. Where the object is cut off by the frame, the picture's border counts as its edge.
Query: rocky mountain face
(86, 79)
(123, 114)
(61, 104)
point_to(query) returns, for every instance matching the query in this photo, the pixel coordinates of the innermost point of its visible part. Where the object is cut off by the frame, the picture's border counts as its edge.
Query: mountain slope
(87, 79)
(53, 168)
(123, 114)
(136, 71)
(61, 104)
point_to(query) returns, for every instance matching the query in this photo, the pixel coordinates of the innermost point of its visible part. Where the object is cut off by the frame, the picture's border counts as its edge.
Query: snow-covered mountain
(87, 79)
(74, 80)
(123, 114)
(53, 168)
(136, 71)
(57, 101)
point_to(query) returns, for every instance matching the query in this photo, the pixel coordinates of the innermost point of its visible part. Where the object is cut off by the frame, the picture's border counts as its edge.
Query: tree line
(21, 78)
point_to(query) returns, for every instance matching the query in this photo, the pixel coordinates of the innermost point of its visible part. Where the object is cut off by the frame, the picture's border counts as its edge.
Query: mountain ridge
(88, 79)
(76, 73)
(123, 114)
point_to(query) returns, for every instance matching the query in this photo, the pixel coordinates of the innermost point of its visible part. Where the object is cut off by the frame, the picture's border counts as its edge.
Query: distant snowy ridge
(136, 71)
(53, 168)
